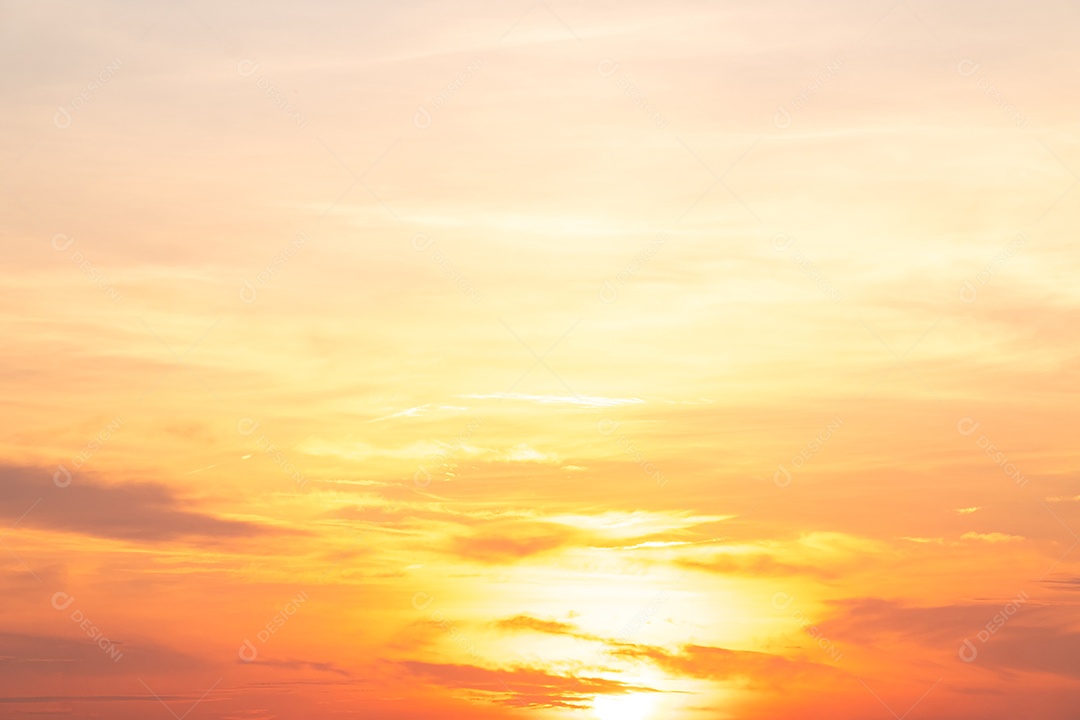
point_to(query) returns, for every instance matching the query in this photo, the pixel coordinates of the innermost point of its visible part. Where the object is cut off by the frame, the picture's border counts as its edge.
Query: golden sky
(599, 361)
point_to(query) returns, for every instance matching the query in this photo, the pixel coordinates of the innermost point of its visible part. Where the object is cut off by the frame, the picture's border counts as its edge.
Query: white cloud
(582, 400)
(993, 537)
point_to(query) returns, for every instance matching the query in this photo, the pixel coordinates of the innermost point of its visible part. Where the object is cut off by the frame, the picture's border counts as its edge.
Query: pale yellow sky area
(554, 360)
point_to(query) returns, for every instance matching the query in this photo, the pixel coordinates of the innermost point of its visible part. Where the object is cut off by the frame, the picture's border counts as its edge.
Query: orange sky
(556, 360)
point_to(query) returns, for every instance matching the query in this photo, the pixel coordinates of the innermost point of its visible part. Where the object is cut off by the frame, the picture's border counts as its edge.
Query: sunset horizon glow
(640, 361)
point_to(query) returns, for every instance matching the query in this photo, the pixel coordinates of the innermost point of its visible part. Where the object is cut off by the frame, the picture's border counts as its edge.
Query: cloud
(426, 452)
(1032, 638)
(1033, 649)
(1067, 583)
(521, 686)
(418, 411)
(991, 537)
(24, 655)
(528, 623)
(507, 541)
(292, 664)
(525, 453)
(698, 661)
(716, 663)
(757, 564)
(864, 620)
(377, 514)
(579, 400)
(819, 554)
(131, 511)
(636, 524)
(521, 623)
(33, 699)
(486, 535)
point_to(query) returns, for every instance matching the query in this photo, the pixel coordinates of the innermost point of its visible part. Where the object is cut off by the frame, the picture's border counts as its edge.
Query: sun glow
(635, 706)
(476, 360)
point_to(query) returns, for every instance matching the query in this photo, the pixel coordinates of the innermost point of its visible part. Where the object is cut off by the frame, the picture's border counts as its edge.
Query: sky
(552, 359)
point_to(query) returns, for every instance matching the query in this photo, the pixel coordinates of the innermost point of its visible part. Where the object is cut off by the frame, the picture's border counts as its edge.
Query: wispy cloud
(579, 400)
